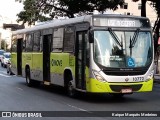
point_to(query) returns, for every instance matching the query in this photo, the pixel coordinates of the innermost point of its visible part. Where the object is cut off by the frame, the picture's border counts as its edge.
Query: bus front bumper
(95, 86)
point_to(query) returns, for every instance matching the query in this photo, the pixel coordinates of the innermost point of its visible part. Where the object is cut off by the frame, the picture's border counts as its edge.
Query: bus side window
(69, 36)
(29, 43)
(41, 43)
(87, 49)
(24, 45)
(57, 44)
(36, 44)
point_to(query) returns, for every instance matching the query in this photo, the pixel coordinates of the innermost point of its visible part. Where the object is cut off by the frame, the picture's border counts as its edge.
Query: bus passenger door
(80, 60)
(46, 57)
(19, 56)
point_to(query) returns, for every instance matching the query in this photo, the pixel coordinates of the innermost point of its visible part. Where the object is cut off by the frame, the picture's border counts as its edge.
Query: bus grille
(125, 73)
(118, 88)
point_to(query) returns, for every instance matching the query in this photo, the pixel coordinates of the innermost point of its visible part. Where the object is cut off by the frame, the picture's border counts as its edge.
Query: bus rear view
(121, 55)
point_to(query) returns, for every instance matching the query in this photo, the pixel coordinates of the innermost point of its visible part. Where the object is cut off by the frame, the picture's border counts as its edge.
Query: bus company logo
(127, 79)
(56, 62)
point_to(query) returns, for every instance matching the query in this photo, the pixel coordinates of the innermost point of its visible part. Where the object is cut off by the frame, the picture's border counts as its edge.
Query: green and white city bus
(93, 53)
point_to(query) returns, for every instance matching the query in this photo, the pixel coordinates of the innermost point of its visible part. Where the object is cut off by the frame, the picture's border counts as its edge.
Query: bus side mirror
(91, 37)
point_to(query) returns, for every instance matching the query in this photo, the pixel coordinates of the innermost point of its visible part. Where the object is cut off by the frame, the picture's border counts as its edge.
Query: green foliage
(42, 10)
(30, 14)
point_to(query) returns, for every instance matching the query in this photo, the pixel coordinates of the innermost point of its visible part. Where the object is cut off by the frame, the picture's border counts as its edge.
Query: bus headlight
(98, 76)
(150, 76)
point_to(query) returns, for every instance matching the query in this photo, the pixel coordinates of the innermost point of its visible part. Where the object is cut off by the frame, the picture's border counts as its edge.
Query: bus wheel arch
(68, 83)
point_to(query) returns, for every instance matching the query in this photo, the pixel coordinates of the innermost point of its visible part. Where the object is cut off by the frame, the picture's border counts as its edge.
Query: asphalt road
(16, 96)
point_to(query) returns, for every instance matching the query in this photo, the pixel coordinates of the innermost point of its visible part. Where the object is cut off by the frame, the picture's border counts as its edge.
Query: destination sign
(121, 22)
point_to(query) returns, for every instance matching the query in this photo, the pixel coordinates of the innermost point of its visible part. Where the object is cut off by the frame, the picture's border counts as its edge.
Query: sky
(10, 8)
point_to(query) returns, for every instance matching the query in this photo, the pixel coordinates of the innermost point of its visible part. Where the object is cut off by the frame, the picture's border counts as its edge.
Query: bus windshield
(122, 49)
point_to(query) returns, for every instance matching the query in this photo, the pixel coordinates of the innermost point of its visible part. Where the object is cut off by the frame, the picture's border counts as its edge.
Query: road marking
(19, 88)
(79, 108)
(4, 75)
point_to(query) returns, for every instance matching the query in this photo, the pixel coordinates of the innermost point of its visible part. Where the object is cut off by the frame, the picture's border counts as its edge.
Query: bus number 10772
(138, 79)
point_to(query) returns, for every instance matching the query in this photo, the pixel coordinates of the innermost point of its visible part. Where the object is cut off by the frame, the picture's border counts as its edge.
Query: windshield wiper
(115, 37)
(134, 39)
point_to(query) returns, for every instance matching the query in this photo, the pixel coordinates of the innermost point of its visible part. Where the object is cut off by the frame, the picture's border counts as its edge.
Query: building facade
(134, 8)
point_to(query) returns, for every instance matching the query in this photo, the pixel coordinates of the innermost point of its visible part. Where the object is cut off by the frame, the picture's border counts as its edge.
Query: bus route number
(138, 79)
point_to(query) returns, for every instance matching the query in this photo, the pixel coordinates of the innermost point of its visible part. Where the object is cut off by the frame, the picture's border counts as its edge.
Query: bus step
(46, 83)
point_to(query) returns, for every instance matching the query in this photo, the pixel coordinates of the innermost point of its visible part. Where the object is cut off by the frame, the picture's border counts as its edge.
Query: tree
(30, 14)
(4, 44)
(42, 10)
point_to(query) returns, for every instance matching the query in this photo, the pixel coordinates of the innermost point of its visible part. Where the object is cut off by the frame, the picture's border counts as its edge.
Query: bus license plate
(127, 90)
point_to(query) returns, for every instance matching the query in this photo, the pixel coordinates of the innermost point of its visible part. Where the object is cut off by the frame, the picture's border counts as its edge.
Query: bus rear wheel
(29, 82)
(70, 89)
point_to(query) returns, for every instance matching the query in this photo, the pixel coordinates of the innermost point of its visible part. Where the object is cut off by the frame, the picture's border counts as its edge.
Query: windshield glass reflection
(118, 53)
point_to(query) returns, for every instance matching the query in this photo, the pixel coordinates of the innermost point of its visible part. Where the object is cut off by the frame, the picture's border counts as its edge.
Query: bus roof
(62, 22)
(54, 23)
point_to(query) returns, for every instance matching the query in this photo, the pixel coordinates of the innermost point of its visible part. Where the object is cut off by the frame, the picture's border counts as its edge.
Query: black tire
(5, 66)
(71, 92)
(2, 64)
(29, 82)
(8, 72)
